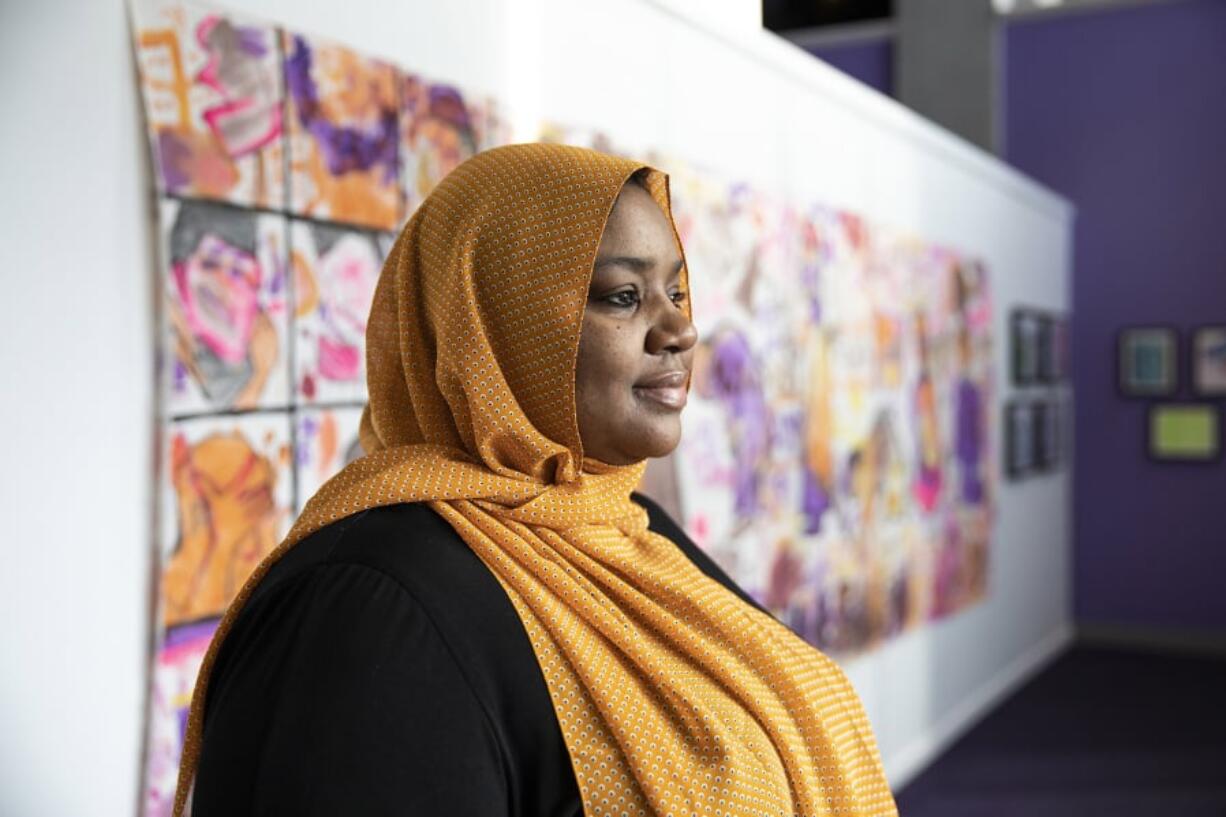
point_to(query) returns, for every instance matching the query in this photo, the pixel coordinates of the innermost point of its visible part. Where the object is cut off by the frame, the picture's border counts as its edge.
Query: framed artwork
(1019, 439)
(1209, 361)
(1185, 432)
(1048, 362)
(1148, 361)
(1025, 328)
(1059, 349)
(1048, 425)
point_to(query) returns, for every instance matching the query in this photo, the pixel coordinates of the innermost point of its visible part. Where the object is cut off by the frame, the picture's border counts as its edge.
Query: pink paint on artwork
(219, 289)
(338, 361)
(347, 280)
(249, 117)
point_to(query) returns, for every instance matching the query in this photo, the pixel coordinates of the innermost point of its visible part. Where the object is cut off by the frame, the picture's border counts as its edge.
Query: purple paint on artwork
(447, 104)
(172, 155)
(968, 440)
(280, 276)
(187, 633)
(345, 149)
(735, 384)
(251, 41)
(815, 501)
(307, 430)
(181, 720)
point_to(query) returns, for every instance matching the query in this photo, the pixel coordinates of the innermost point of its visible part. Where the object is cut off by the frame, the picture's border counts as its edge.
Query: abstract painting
(212, 90)
(226, 314)
(226, 502)
(344, 115)
(440, 127)
(335, 271)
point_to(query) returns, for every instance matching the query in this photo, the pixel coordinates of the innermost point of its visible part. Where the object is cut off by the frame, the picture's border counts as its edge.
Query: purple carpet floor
(1101, 731)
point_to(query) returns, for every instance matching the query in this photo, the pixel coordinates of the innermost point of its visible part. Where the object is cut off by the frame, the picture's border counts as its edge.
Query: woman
(478, 617)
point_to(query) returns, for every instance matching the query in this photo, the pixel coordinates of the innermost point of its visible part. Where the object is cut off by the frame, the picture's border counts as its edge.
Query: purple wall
(1124, 112)
(871, 62)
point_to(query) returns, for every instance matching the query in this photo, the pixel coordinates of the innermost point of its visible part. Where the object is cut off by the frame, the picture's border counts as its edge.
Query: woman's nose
(671, 331)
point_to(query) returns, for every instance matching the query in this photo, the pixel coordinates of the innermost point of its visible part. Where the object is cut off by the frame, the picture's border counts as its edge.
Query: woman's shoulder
(437, 575)
(402, 541)
(337, 692)
(394, 608)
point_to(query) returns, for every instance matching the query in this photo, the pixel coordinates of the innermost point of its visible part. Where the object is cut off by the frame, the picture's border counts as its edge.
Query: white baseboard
(918, 754)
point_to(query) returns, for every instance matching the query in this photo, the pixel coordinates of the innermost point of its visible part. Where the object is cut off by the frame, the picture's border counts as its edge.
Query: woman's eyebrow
(634, 262)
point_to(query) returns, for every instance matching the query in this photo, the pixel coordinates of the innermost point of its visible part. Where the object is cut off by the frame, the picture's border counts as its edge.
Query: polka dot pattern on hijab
(674, 697)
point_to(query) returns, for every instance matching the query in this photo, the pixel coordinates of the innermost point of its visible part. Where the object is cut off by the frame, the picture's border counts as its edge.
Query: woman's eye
(678, 297)
(624, 298)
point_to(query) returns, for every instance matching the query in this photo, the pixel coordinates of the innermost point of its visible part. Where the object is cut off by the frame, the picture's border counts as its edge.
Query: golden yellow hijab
(674, 696)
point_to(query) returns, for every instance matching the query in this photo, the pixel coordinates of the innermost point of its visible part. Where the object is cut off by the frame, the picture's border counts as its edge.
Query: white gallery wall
(78, 322)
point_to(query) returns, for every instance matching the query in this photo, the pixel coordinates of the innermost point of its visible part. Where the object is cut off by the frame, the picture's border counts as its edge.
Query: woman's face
(636, 347)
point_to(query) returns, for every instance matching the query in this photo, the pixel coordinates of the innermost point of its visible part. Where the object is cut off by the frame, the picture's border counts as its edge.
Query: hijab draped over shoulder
(674, 697)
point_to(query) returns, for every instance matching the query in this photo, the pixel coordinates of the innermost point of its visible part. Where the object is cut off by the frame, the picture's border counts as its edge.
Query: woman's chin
(648, 436)
(656, 439)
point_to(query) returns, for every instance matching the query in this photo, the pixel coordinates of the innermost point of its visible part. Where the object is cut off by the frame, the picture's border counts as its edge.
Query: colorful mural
(835, 458)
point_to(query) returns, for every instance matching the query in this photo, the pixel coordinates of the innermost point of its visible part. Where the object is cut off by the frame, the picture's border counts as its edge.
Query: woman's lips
(667, 389)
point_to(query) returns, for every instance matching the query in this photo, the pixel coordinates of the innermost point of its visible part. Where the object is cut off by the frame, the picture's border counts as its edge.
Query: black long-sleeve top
(379, 668)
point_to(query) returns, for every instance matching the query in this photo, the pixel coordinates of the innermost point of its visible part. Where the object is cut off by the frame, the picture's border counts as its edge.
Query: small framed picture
(1061, 349)
(1049, 364)
(1025, 326)
(1185, 432)
(1209, 361)
(1048, 425)
(1148, 361)
(1019, 439)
